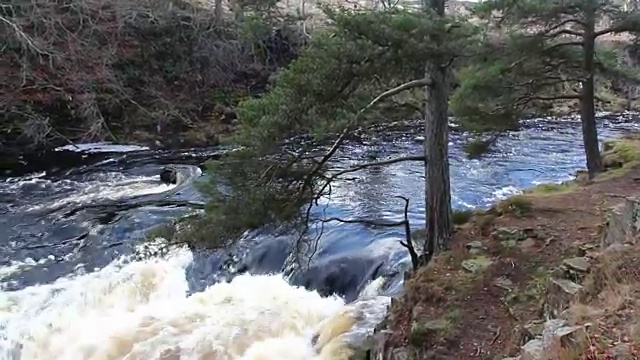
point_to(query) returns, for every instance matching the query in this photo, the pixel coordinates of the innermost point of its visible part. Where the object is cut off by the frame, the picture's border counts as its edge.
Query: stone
(578, 264)
(585, 249)
(401, 353)
(475, 247)
(622, 223)
(476, 264)
(535, 328)
(169, 175)
(533, 350)
(477, 244)
(567, 286)
(558, 335)
(620, 352)
(505, 234)
(527, 244)
(560, 294)
(504, 283)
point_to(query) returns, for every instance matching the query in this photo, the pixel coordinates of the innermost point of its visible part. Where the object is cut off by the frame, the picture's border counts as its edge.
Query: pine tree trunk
(218, 11)
(587, 101)
(439, 225)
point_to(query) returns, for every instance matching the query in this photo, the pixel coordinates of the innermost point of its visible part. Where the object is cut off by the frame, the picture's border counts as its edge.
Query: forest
(176, 74)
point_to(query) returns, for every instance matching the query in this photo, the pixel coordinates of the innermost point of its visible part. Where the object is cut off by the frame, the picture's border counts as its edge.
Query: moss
(518, 205)
(477, 264)
(619, 156)
(552, 188)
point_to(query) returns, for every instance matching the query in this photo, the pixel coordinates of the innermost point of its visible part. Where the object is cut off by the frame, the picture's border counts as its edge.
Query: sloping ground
(529, 259)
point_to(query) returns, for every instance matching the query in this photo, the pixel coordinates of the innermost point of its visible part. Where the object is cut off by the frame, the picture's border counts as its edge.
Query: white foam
(101, 147)
(116, 188)
(141, 310)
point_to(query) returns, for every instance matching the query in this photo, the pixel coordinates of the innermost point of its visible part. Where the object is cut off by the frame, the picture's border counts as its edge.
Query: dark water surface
(47, 230)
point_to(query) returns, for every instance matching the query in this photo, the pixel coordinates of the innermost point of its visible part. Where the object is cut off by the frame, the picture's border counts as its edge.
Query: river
(79, 282)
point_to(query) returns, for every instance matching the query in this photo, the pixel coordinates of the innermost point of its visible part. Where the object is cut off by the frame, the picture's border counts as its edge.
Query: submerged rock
(169, 175)
(345, 276)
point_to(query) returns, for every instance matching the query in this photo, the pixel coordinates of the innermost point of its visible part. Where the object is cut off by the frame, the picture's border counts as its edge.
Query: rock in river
(342, 275)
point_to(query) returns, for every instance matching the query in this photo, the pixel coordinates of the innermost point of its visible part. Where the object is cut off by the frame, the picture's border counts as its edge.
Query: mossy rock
(476, 264)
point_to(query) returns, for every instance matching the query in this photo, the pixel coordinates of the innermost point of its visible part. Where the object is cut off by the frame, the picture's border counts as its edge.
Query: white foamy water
(140, 310)
(117, 188)
(102, 147)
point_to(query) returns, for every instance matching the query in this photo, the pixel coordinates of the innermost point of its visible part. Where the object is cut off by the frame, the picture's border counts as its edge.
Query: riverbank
(544, 254)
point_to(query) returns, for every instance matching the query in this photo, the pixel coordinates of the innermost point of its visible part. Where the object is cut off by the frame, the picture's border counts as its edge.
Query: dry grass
(610, 302)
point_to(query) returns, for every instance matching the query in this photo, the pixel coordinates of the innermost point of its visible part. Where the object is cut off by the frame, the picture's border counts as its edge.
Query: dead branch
(408, 243)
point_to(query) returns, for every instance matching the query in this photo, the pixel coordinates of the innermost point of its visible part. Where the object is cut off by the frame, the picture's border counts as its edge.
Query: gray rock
(504, 283)
(620, 352)
(567, 286)
(578, 264)
(527, 244)
(476, 264)
(477, 244)
(475, 247)
(622, 223)
(401, 354)
(533, 350)
(535, 328)
(557, 334)
(560, 294)
(585, 249)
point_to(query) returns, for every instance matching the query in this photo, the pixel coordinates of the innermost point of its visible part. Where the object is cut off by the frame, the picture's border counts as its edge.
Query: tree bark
(439, 226)
(587, 101)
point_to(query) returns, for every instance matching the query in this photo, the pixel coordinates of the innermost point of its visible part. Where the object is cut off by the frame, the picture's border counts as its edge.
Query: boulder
(560, 294)
(345, 276)
(555, 334)
(622, 223)
(169, 175)
(580, 264)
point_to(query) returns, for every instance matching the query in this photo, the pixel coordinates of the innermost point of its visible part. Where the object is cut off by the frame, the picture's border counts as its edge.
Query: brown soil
(485, 321)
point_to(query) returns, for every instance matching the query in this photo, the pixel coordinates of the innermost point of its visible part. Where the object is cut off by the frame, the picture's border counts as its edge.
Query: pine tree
(546, 50)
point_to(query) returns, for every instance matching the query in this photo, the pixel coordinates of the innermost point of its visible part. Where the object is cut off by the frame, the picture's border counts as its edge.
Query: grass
(610, 301)
(461, 217)
(552, 188)
(518, 205)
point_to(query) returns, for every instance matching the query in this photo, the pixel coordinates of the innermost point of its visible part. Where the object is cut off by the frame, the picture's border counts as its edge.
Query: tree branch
(336, 145)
